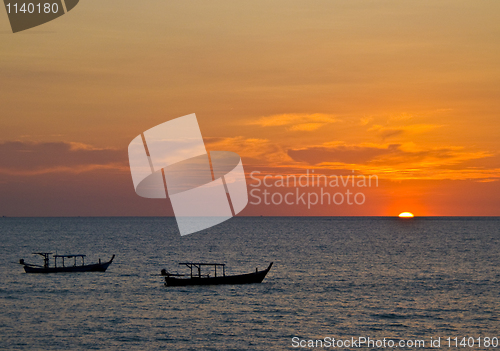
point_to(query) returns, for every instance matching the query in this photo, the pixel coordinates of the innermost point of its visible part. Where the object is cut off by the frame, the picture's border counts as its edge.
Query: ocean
(336, 281)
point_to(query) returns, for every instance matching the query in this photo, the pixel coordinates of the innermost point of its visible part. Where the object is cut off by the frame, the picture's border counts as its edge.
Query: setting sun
(406, 215)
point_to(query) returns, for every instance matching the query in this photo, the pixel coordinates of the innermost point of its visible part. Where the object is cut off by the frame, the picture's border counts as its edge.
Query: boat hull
(97, 267)
(250, 278)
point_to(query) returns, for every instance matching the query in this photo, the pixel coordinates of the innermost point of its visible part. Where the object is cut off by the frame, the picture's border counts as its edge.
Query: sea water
(334, 279)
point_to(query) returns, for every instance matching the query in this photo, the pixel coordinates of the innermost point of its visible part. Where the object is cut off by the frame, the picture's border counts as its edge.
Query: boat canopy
(189, 264)
(47, 254)
(200, 264)
(50, 253)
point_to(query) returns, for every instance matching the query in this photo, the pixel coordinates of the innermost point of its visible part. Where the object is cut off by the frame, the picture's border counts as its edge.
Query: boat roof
(50, 253)
(202, 264)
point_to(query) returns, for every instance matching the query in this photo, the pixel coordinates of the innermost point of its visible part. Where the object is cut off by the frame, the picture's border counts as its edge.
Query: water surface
(332, 277)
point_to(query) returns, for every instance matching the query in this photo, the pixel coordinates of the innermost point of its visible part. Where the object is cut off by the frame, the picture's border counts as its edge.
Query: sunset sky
(405, 90)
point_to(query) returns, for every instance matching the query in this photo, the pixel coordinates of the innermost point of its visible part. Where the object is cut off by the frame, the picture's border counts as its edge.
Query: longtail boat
(75, 266)
(205, 279)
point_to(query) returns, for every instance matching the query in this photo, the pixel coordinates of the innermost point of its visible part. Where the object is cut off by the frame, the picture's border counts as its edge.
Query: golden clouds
(399, 161)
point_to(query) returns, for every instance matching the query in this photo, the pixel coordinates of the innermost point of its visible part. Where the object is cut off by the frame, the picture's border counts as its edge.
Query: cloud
(28, 158)
(351, 154)
(296, 121)
(388, 132)
(365, 121)
(400, 161)
(252, 150)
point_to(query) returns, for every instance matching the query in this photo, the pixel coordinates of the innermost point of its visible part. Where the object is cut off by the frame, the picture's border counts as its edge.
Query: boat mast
(45, 256)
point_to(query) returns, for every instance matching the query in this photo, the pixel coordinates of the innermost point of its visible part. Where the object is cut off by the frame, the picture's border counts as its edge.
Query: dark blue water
(332, 277)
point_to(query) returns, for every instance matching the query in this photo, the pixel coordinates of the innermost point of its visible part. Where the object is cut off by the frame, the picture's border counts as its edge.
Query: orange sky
(406, 90)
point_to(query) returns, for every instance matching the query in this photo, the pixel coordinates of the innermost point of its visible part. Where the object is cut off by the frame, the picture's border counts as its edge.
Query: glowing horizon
(406, 215)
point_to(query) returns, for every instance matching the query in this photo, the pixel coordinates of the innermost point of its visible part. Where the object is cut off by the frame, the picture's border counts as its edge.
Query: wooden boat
(82, 267)
(206, 279)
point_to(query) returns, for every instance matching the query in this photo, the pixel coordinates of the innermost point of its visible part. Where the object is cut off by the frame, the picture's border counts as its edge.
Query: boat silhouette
(206, 279)
(82, 267)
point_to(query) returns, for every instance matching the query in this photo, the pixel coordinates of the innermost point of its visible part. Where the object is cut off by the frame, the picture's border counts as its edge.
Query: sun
(406, 215)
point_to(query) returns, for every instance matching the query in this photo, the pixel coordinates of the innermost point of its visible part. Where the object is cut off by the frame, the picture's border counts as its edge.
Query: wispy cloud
(31, 158)
(387, 132)
(349, 154)
(253, 150)
(296, 121)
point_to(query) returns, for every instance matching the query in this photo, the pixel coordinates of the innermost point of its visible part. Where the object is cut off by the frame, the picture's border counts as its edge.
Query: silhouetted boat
(206, 279)
(33, 268)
